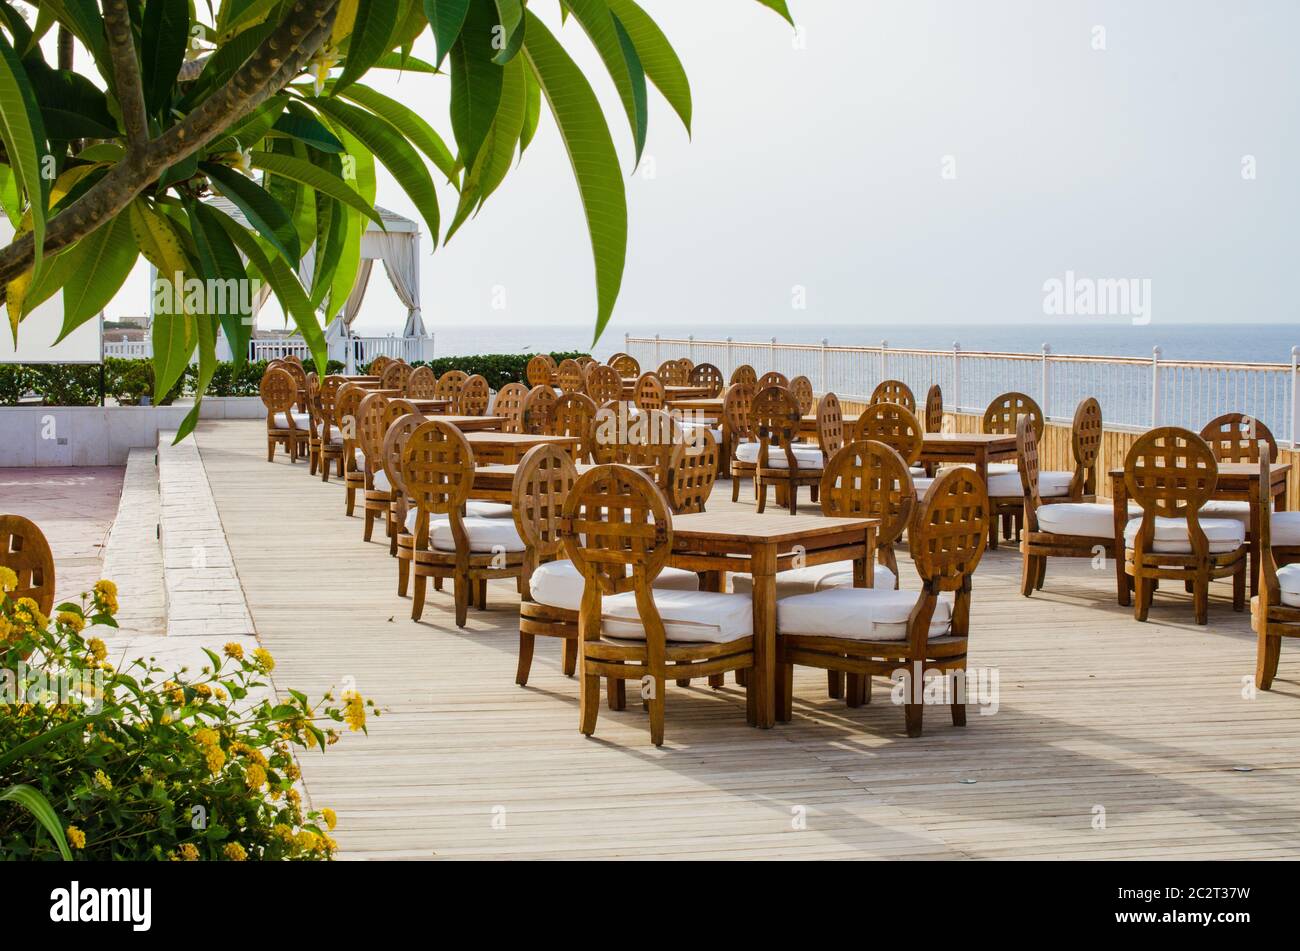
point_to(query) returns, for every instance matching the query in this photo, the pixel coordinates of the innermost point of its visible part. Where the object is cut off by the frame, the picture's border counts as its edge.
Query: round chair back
(738, 410)
(895, 426)
(1085, 443)
(474, 396)
(802, 389)
(1004, 413)
(672, 373)
(603, 384)
(449, 386)
(948, 534)
(626, 366)
(543, 481)
(934, 409)
(278, 392)
(773, 378)
(693, 469)
(422, 384)
(539, 409)
(25, 551)
(540, 370)
(1235, 437)
(894, 391)
(615, 518)
(395, 376)
(870, 480)
(570, 377)
(776, 419)
(830, 424)
(744, 374)
(706, 374)
(575, 415)
(437, 470)
(394, 445)
(649, 392)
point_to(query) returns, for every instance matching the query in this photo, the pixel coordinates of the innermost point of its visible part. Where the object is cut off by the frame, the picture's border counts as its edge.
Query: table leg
(1119, 498)
(1252, 566)
(763, 684)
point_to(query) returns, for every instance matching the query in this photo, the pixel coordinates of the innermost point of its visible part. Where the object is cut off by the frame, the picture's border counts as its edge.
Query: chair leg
(403, 575)
(735, 488)
(683, 681)
(742, 677)
(324, 467)
(1239, 587)
(835, 684)
(717, 681)
(785, 692)
(657, 714)
(616, 690)
(1028, 573)
(1267, 657)
(959, 714)
(792, 496)
(912, 716)
(588, 704)
(270, 450)
(461, 585)
(370, 525)
(1141, 597)
(1042, 572)
(351, 500)
(437, 584)
(570, 655)
(853, 691)
(417, 597)
(760, 495)
(1201, 598)
(525, 658)
(993, 534)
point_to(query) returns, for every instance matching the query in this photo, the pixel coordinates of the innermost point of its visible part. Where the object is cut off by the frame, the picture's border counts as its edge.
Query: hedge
(126, 381)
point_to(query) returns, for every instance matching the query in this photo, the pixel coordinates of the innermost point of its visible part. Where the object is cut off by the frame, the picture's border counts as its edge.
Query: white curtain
(400, 252)
(340, 324)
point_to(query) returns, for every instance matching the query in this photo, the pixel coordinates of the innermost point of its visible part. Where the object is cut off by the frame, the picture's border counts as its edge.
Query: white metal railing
(1135, 392)
(128, 349)
(363, 349)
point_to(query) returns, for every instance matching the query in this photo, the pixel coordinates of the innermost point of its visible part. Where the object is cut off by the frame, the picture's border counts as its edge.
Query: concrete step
(133, 553)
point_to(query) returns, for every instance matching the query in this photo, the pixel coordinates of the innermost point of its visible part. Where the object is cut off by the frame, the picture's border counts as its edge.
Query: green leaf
(23, 135)
(446, 17)
(331, 233)
(393, 150)
(83, 20)
(511, 13)
(499, 147)
(305, 173)
(27, 747)
(410, 123)
(374, 23)
(475, 81)
(591, 151)
(532, 111)
(780, 7)
(174, 334)
(41, 811)
(10, 200)
(658, 58)
(620, 58)
(409, 64)
(100, 262)
(300, 124)
(218, 258)
(263, 212)
(164, 34)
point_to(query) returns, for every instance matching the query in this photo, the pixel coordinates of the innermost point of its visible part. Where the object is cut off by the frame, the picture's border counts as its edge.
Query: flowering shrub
(137, 763)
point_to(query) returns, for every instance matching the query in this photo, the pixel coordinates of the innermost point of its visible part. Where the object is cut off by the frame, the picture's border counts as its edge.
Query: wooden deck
(1145, 721)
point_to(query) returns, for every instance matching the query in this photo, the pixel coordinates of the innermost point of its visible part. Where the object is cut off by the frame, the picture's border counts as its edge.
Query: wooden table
(808, 426)
(509, 448)
(976, 449)
(1238, 482)
(431, 406)
(718, 542)
(494, 482)
(473, 424)
(710, 406)
(671, 393)
(360, 378)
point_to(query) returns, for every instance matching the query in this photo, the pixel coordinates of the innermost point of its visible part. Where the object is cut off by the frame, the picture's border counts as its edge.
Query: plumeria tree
(154, 105)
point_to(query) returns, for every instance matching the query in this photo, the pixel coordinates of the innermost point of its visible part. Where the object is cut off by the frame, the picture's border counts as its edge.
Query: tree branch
(126, 76)
(279, 58)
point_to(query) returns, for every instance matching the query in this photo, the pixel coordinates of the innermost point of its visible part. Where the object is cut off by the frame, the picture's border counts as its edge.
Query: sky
(915, 161)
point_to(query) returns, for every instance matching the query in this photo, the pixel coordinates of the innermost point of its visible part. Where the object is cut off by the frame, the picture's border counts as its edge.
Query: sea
(1234, 342)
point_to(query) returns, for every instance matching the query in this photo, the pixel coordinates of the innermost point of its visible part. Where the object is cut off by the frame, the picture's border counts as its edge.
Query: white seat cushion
(336, 439)
(1284, 528)
(300, 420)
(486, 535)
(1051, 485)
(836, 574)
(382, 484)
(413, 514)
(489, 509)
(559, 584)
(713, 428)
(1088, 519)
(917, 472)
(1223, 534)
(921, 485)
(1238, 510)
(359, 458)
(805, 457)
(1288, 578)
(860, 614)
(695, 617)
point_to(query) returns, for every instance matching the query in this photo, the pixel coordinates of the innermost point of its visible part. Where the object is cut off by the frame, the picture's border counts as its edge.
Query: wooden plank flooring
(1097, 712)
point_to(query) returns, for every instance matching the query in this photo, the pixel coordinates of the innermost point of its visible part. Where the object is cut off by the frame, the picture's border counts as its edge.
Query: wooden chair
(692, 472)
(378, 365)
(625, 366)
(871, 480)
(744, 374)
(331, 447)
(617, 521)
(687, 365)
(450, 386)
(1172, 473)
(645, 440)
(1070, 529)
(1086, 433)
(541, 370)
(372, 425)
(474, 397)
(438, 471)
(672, 373)
(575, 415)
(773, 378)
(866, 632)
(896, 426)
(25, 551)
(284, 426)
(1275, 611)
(779, 460)
(934, 409)
(345, 418)
(510, 405)
(802, 389)
(706, 374)
(649, 393)
(400, 541)
(395, 376)
(315, 424)
(422, 384)
(1001, 417)
(293, 365)
(830, 425)
(604, 384)
(570, 378)
(894, 391)
(539, 409)
(1236, 437)
(738, 430)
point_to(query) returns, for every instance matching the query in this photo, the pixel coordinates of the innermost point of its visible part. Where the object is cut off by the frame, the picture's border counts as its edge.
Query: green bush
(497, 368)
(128, 762)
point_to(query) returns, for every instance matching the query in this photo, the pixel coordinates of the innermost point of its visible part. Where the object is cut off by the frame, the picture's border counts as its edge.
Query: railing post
(690, 347)
(884, 367)
(1155, 387)
(956, 377)
(1295, 395)
(658, 351)
(731, 360)
(627, 343)
(1046, 392)
(826, 388)
(771, 355)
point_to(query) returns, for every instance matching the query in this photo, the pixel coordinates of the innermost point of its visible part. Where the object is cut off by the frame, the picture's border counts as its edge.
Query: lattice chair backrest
(802, 389)
(543, 481)
(295, 369)
(1236, 437)
(949, 531)
(603, 384)
(422, 384)
(934, 409)
(870, 480)
(1171, 472)
(449, 386)
(670, 373)
(399, 431)
(474, 397)
(539, 409)
(278, 392)
(570, 377)
(540, 370)
(895, 426)
(371, 429)
(692, 471)
(395, 376)
(1086, 433)
(706, 374)
(830, 424)
(744, 374)
(378, 365)
(894, 391)
(616, 519)
(1004, 413)
(649, 392)
(773, 378)
(345, 412)
(738, 410)
(437, 470)
(1027, 464)
(510, 404)
(626, 366)
(25, 551)
(645, 439)
(776, 420)
(575, 415)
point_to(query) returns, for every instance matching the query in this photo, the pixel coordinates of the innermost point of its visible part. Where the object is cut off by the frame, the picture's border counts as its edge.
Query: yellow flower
(203, 690)
(106, 596)
(5, 628)
(262, 657)
(220, 694)
(331, 819)
(307, 841)
(255, 776)
(234, 851)
(206, 736)
(102, 780)
(354, 710)
(189, 853)
(8, 579)
(106, 588)
(76, 838)
(235, 650)
(77, 623)
(216, 759)
(97, 647)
